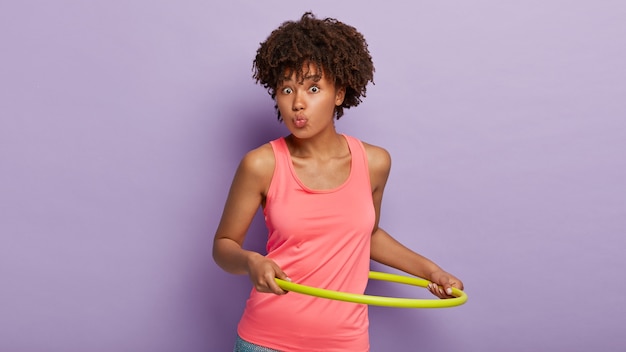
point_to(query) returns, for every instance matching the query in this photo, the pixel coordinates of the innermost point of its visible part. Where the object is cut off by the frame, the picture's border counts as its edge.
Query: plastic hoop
(459, 296)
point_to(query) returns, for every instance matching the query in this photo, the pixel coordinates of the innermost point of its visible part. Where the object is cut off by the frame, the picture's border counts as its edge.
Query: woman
(321, 193)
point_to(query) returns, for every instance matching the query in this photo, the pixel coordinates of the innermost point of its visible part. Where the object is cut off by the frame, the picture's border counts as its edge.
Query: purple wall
(121, 124)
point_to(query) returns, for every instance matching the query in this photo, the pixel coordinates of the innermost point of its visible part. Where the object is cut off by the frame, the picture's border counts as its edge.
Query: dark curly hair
(336, 49)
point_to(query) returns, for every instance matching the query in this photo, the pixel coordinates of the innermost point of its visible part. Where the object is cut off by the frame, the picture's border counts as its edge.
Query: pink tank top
(319, 238)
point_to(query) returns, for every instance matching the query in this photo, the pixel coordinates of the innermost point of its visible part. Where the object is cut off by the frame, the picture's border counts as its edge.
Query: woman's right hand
(263, 271)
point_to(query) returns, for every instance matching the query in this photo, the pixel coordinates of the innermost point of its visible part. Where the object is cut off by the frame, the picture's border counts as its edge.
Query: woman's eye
(314, 89)
(287, 90)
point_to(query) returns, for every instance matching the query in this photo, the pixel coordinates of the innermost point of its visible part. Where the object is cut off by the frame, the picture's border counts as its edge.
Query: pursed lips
(300, 120)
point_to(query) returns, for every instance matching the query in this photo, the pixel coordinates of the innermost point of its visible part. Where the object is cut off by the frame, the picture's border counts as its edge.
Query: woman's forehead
(308, 71)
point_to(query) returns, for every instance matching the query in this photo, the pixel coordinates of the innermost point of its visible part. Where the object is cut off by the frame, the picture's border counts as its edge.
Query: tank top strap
(359, 160)
(282, 173)
(281, 151)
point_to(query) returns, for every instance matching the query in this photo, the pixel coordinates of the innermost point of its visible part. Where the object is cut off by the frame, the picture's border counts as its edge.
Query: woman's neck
(330, 145)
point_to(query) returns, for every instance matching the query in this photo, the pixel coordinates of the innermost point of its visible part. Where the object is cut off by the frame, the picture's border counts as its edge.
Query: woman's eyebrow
(313, 77)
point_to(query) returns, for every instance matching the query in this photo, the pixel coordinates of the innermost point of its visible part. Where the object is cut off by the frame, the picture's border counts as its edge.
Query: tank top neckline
(292, 169)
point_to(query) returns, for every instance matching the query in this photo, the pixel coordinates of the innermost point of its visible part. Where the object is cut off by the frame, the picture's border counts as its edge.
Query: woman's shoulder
(379, 164)
(259, 162)
(377, 157)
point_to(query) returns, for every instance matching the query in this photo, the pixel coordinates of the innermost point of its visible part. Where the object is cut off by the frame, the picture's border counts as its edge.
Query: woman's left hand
(442, 283)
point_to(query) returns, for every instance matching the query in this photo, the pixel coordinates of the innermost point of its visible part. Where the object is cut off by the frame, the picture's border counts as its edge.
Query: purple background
(122, 123)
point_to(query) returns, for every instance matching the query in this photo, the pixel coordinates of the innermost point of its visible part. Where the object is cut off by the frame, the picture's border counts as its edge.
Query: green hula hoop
(459, 296)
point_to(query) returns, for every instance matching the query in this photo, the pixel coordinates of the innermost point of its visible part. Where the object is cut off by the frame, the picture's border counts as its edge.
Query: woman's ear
(340, 95)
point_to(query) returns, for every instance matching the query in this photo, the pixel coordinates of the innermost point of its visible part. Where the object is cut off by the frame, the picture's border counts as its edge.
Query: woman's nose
(298, 102)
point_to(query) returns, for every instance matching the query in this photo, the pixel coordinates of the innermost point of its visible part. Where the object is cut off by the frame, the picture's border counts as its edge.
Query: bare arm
(246, 194)
(388, 251)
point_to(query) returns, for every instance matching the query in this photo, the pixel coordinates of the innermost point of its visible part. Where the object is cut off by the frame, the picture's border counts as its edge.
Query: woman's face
(308, 107)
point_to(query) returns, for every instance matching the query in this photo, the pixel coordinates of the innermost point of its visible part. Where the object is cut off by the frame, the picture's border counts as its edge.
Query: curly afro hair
(336, 49)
